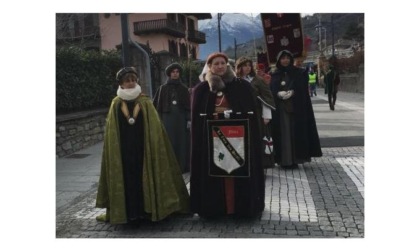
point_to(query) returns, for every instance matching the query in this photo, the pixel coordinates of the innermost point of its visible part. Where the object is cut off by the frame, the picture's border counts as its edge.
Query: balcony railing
(197, 37)
(160, 26)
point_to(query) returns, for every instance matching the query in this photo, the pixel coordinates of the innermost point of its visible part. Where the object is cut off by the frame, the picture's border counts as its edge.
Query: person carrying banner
(295, 135)
(227, 177)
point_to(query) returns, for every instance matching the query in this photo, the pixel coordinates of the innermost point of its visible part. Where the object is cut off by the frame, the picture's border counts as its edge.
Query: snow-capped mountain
(232, 25)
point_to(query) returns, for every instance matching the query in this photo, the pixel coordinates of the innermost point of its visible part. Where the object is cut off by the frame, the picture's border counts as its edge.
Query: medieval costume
(295, 135)
(265, 105)
(172, 101)
(215, 192)
(140, 177)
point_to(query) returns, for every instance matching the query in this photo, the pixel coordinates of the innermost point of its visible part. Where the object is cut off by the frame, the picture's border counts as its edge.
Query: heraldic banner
(282, 31)
(229, 148)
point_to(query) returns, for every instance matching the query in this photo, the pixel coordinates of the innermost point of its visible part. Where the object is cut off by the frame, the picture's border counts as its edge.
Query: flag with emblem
(229, 148)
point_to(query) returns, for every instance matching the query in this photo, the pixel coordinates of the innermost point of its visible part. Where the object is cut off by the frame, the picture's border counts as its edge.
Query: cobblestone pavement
(321, 199)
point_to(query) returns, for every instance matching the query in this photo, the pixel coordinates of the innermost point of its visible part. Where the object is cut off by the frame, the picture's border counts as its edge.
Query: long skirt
(176, 126)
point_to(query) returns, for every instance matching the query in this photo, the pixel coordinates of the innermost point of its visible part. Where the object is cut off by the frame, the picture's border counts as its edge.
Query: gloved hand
(281, 94)
(288, 94)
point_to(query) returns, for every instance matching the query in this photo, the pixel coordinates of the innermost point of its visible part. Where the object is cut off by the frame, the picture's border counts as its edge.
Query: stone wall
(354, 83)
(77, 131)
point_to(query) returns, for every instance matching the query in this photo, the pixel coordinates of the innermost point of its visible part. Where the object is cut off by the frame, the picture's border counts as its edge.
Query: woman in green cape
(140, 177)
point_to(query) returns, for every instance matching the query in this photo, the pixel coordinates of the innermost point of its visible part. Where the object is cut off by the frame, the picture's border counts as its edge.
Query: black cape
(207, 193)
(175, 117)
(304, 131)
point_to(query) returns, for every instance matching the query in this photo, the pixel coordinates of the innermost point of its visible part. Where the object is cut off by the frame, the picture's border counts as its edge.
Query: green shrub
(85, 79)
(190, 73)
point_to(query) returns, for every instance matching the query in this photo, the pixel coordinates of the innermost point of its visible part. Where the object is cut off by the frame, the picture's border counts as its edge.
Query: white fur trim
(129, 94)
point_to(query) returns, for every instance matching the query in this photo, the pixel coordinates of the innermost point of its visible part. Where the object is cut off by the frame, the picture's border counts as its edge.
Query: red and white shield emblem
(228, 147)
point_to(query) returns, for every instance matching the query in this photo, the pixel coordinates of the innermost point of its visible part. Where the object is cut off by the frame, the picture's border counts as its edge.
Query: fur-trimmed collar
(217, 82)
(129, 94)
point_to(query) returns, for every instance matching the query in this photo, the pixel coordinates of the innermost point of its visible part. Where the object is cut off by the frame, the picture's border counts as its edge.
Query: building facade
(176, 33)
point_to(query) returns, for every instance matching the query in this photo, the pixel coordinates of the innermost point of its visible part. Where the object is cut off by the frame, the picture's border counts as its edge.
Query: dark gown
(295, 135)
(208, 193)
(172, 102)
(139, 170)
(265, 98)
(132, 149)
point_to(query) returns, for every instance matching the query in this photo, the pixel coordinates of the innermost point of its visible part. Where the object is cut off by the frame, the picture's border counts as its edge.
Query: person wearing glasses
(140, 176)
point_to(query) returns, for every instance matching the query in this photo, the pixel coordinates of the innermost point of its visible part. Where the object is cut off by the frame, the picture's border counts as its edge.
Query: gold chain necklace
(136, 110)
(220, 103)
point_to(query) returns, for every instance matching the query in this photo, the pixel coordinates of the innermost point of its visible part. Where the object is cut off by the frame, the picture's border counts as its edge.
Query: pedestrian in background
(332, 80)
(172, 101)
(313, 82)
(295, 135)
(245, 70)
(225, 182)
(140, 176)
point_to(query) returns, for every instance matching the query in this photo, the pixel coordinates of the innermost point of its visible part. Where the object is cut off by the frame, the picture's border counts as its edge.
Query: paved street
(321, 199)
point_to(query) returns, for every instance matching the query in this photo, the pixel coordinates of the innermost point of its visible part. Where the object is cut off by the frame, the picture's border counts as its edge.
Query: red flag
(282, 31)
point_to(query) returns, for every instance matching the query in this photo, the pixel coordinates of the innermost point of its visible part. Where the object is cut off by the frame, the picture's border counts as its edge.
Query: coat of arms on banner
(229, 148)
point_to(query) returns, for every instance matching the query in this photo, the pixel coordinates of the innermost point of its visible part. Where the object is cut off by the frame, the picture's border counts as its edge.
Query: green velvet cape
(164, 189)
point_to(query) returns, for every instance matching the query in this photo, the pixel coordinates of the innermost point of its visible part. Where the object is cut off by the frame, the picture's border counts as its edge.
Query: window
(193, 52)
(191, 25)
(171, 16)
(183, 51)
(173, 47)
(181, 20)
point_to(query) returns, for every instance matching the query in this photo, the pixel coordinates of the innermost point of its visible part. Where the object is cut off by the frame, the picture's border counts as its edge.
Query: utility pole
(253, 36)
(319, 26)
(236, 46)
(234, 39)
(321, 55)
(188, 52)
(332, 33)
(124, 43)
(219, 16)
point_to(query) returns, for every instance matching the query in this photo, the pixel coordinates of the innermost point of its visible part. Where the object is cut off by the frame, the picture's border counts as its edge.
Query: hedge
(85, 79)
(190, 73)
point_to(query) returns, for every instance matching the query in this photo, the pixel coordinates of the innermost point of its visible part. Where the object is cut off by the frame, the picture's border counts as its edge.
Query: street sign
(282, 31)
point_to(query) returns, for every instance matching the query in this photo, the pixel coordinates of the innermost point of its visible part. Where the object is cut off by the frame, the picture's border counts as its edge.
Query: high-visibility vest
(312, 78)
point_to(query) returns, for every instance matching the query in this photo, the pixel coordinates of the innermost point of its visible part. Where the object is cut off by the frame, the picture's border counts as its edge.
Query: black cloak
(304, 133)
(206, 192)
